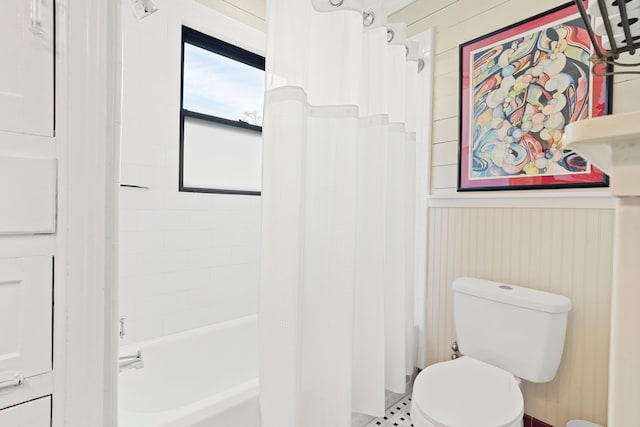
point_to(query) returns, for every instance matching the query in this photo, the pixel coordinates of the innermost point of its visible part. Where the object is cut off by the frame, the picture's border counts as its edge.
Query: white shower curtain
(339, 212)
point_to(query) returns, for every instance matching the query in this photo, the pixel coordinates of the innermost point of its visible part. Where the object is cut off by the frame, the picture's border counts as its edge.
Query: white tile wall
(186, 260)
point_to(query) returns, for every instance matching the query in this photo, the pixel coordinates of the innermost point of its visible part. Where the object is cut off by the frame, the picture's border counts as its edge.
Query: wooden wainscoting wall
(565, 251)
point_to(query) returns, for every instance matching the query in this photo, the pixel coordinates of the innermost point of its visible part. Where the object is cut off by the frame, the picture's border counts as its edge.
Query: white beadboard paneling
(565, 251)
(445, 153)
(27, 195)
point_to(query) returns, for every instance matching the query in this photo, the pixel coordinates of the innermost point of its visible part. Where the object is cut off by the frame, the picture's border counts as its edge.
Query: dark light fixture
(618, 23)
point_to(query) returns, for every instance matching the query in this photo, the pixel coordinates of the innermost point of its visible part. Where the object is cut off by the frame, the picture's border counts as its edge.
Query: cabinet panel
(25, 317)
(26, 74)
(36, 413)
(27, 195)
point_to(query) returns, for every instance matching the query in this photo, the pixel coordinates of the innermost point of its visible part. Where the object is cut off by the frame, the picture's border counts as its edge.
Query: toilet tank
(518, 329)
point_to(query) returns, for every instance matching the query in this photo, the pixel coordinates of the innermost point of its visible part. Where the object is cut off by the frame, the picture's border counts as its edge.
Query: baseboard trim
(529, 421)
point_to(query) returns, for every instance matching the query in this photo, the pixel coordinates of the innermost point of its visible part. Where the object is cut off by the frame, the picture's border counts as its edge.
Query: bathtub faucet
(131, 362)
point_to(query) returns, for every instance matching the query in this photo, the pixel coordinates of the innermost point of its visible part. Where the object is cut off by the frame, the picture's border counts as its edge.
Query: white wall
(559, 241)
(186, 260)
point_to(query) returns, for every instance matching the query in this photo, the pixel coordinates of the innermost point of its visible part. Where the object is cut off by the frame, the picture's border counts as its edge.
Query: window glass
(214, 153)
(223, 87)
(221, 117)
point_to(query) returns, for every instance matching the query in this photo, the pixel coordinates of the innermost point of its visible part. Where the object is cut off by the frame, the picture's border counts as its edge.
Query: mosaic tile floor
(396, 416)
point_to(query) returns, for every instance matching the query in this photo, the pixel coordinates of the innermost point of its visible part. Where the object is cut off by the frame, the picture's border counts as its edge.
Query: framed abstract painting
(519, 88)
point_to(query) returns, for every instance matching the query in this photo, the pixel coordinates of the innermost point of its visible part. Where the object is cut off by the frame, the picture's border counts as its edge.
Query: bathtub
(207, 377)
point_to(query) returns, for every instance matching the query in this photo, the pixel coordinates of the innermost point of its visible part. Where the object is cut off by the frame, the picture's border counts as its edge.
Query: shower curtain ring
(406, 50)
(368, 18)
(420, 64)
(390, 35)
(336, 3)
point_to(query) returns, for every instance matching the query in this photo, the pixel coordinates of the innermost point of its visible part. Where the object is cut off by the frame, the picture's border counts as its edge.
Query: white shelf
(612, 143)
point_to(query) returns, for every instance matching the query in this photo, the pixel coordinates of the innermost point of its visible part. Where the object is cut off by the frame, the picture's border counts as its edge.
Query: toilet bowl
(466, 393)
(503, 331)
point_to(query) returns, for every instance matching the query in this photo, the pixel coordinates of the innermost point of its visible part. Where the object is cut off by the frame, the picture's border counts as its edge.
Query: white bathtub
(206, 377)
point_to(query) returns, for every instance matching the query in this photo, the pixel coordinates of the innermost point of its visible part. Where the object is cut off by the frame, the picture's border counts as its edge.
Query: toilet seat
(466, 393)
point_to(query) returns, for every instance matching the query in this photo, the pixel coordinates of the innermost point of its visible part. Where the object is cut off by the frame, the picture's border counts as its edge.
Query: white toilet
(506, 333)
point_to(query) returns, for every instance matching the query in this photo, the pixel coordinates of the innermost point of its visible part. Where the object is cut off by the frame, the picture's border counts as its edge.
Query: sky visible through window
(219, 86)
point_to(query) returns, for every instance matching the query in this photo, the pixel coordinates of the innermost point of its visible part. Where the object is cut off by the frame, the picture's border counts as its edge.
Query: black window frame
(220, 47)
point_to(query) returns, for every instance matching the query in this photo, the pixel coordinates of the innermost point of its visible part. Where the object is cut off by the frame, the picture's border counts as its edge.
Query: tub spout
(131, 362)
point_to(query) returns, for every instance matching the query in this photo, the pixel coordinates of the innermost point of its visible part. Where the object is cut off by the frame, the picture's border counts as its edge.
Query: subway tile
(236, 274)
(184, 280)
(189, 319)
(247, 254)
(180, 240)
(128, 220)
(139, 241)
(142, 328)
(136, 198)
(160, 261)
(190, 201)
(187, 220)
(128, 264)
(236, 236)
(165, 303)
(213, 257)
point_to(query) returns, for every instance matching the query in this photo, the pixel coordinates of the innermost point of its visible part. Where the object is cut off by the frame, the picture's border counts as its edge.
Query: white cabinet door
(25, 317)
(36, 413)
(27, 195)
(26, 73)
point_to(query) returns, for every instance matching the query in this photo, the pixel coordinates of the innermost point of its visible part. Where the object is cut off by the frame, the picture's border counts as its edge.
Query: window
(220, 116)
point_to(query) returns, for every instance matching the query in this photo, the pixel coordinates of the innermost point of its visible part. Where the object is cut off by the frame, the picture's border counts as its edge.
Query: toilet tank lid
(513, 295)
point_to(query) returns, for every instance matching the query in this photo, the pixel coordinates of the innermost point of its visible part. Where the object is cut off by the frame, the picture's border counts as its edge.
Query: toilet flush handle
(455, 349)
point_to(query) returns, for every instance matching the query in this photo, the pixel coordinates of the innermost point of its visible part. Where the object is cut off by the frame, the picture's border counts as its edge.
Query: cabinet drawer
(25, 317)
(36, 413)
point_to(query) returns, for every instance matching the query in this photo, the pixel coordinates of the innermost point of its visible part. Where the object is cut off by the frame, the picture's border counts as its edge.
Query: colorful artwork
(520, 87)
